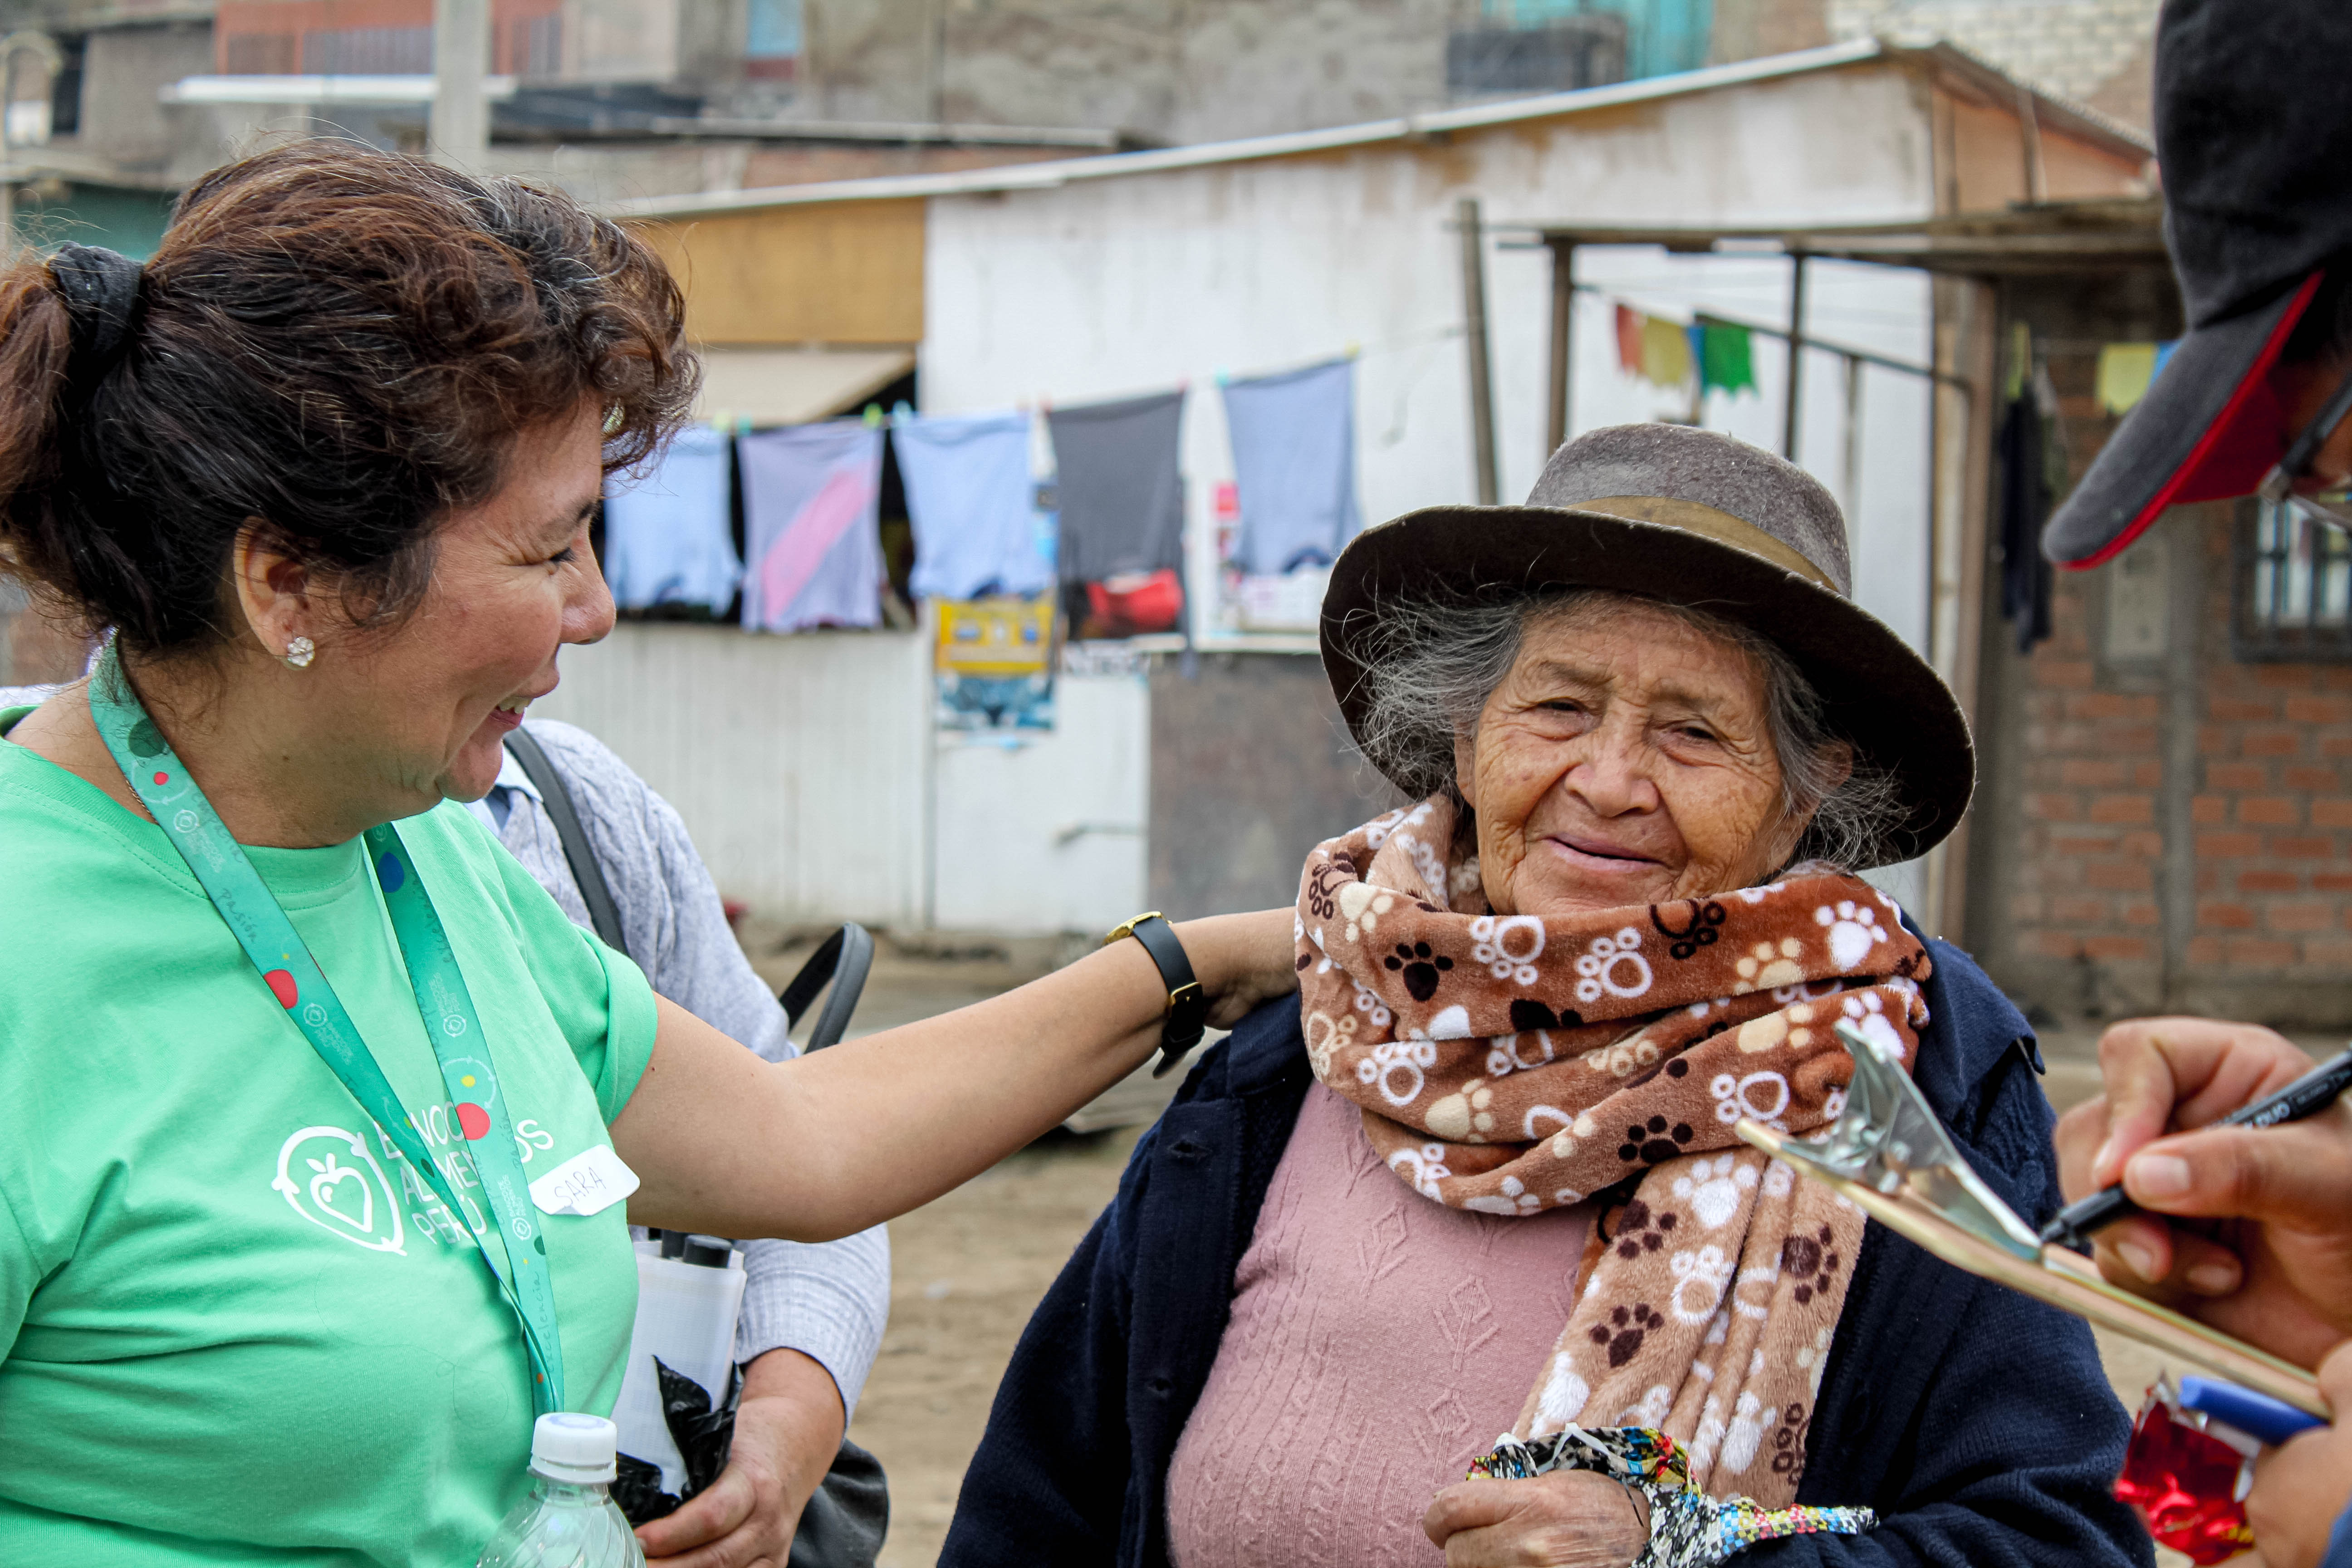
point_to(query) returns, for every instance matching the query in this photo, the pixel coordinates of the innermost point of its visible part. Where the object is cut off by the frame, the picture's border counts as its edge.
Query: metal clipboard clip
(1888, 1154)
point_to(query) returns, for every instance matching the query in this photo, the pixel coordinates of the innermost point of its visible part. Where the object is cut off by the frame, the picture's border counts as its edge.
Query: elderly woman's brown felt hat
(1692, 518)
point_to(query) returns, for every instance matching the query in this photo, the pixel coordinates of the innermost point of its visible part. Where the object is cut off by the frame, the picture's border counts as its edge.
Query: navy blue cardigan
(1976, 1421)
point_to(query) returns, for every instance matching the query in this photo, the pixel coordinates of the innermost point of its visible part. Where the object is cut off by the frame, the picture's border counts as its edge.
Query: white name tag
(589, 1183)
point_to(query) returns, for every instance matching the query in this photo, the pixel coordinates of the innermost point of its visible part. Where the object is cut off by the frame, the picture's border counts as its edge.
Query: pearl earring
(299, 652)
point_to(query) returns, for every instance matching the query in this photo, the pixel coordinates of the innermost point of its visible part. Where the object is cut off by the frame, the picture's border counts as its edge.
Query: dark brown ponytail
(336, 342)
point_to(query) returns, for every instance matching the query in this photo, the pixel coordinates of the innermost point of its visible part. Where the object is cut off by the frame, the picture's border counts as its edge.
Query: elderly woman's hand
(1568, 1519)
(1242, 961)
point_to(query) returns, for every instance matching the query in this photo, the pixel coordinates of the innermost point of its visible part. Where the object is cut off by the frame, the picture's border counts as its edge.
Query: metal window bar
(2293, 588)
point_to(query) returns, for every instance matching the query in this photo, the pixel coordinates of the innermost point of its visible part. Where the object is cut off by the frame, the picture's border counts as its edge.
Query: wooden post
(461, 121)
(1563, 345)
(1853, 456)
(1966, 318)
(1473, 321)
(1792, 416)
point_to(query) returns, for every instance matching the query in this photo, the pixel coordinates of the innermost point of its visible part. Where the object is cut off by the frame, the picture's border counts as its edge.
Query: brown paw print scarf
(1512, 1064)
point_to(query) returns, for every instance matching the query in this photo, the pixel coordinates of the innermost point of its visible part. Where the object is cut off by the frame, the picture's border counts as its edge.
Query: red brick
(2237, 777)
(2295, 848)
(2052, 807)
(2127, 739)
(2318, 711)
(2072, 843)
(2331, 812)
(2332, 882)
(2091, 773)
(2201, 950)
(2301, 916)
(2228, 846)
(2286, 676)
(2268, 811)
(2110, 705)
(2079, 910)
(2318, 780)
(2255, 953)
(2336, 746)
(2270, 742)
(2068, 674)
(2142, 913)
(2334, 953)
(2223, 916)
(2238, 710)
(2123, 808)
(2123, 948)
(2208, 808)
(2269, 882)
(2056, 945)
(2147, 775)
(2119, 876)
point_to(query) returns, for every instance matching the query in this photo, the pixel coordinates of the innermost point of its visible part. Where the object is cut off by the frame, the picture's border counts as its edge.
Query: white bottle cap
(565, 1446)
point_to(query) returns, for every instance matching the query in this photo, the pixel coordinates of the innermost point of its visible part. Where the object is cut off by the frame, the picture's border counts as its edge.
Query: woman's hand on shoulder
(1242, 960)
(1568, 1519)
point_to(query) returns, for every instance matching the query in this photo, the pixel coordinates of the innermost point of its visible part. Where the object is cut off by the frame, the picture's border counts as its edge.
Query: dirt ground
(969, 1268)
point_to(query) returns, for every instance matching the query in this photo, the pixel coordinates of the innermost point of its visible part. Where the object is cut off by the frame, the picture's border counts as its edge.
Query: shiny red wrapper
(2183, 1485)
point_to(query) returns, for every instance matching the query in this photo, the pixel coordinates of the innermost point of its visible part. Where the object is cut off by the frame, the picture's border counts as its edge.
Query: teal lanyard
(294, 978)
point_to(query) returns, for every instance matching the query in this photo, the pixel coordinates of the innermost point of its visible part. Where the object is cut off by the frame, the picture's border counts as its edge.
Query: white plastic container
(685, 1315)
(570, 1520)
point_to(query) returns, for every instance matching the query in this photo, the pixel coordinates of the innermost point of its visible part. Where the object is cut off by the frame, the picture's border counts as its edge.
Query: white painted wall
(1048, 835)
(798, 762)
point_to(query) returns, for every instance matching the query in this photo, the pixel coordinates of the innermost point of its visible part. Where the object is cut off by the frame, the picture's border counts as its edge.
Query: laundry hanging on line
(973, 505)
(812, 498)
(2127, 370)
(669, 528)
(1668, 353)
(1294, 442)
(1120, 490)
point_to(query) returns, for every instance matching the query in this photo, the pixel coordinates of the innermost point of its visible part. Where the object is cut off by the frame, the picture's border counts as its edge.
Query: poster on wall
(993, 665)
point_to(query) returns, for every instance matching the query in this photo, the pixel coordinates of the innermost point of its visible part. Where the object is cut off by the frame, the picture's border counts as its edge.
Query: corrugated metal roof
(2054, 114)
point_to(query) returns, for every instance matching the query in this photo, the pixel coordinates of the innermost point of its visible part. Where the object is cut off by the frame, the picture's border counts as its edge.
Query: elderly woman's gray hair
(1434, 660)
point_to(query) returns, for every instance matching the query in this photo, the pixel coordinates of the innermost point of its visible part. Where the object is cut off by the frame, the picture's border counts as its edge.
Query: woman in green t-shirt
(309, 1200)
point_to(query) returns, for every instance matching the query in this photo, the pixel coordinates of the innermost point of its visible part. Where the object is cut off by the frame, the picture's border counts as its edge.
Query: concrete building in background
(622, 99)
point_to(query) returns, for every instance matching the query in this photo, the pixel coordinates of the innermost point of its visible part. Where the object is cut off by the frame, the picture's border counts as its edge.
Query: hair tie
(102, 294)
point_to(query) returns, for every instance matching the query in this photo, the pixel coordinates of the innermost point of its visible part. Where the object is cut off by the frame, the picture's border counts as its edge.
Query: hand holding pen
(2275, 1266)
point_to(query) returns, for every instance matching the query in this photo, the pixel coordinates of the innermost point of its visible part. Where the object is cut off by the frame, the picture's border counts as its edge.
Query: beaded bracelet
(1689, 1529)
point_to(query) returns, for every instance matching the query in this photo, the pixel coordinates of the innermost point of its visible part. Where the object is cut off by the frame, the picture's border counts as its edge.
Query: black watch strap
(1188, 1005)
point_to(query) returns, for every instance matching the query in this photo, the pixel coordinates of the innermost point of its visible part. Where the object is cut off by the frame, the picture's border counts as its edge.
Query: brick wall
(2273, 819)
(2161, 826)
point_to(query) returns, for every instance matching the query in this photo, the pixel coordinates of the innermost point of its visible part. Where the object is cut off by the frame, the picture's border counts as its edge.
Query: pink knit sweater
(1379, 1342)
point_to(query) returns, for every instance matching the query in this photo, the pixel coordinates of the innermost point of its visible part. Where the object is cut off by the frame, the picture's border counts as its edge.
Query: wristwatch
(1188, 1005)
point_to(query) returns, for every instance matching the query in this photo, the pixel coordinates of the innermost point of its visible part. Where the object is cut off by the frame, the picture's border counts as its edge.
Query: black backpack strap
(603, 913)
(842, 958)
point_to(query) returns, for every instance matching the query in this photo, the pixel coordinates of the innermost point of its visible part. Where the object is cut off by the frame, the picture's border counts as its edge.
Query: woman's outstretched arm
(824, 1145)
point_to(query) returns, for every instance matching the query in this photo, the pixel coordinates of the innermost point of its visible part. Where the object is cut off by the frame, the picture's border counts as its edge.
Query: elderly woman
(1481, 1178)
(322, 1114)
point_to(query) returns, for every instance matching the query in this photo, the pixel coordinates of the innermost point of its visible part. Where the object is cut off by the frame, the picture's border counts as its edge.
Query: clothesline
(1866, 356)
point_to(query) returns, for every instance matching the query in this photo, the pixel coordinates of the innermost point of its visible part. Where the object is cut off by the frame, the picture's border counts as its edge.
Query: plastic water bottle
(570, 1520)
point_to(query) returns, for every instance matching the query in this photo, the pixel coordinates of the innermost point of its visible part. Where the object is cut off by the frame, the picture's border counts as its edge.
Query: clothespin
(1353, 351)
(874, 417)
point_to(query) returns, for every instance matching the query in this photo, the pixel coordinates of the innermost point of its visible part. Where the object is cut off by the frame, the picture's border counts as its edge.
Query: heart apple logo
(328, 1193)
(329, 1176)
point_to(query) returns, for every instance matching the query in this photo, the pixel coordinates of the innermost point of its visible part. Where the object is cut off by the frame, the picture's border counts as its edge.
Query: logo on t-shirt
(332, 1178)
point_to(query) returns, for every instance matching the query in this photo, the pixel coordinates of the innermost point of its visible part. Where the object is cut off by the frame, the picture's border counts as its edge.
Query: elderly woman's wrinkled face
(1625, 758)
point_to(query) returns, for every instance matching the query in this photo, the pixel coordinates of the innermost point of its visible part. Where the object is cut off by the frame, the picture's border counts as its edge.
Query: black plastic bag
(703, 1434)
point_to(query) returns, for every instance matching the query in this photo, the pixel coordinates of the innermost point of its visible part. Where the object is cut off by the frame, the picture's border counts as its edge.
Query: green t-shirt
(237, 1328)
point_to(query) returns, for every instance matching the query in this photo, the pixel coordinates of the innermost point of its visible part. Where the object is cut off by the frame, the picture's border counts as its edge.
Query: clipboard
(1889, 1156)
